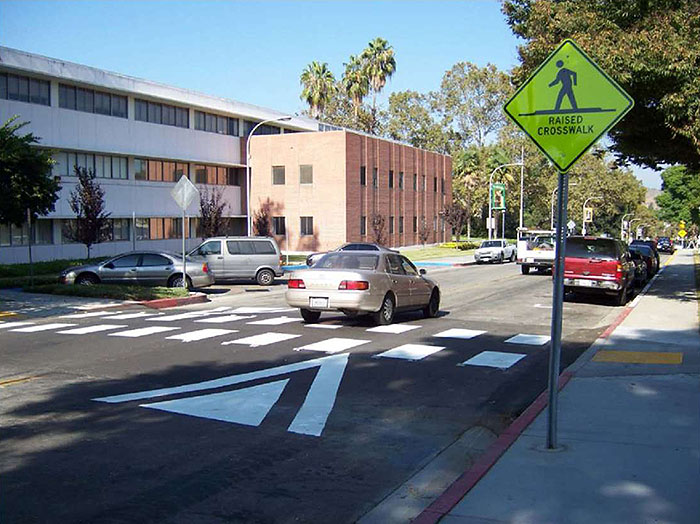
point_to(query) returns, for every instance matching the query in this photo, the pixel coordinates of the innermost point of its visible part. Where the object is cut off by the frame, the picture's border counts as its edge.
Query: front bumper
(204, 280)
(487, 257)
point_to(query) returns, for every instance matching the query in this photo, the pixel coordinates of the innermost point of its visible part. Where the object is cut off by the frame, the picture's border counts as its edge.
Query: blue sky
(255, 51)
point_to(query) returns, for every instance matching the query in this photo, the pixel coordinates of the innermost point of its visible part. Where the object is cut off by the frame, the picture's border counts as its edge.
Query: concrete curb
(163, 303)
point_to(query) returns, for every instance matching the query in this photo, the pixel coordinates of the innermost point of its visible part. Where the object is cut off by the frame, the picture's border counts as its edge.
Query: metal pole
(522, 184)
(133, 227)
(622, 225)
(184, 258)
(489, 223)
(557, 307)
(29, 245)
(503, 225)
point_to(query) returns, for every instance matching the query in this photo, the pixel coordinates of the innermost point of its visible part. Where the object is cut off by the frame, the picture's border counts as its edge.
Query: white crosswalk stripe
(129, 316)
(324, 326)
(8, 325)
(91, 329)
(460, 333)
(258, 310)
(278, 321)
(201, 334)
(410, 352)
(494, 359)
(190, 315)
(529, 340)
(395, 329)
(333, 345)
(225, 318)
(142, 332)
(262, 340)
(42, 327)
(91, 314)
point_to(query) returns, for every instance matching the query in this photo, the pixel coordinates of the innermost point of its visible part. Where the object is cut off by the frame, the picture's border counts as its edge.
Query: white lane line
(8, 325)
(42, 327)
(224, 318)
(91, 329)
(91, 314)
(201, 334)
(277, 321)
(333, 345)
(257, 310)
(261, 340)
(395, 329)
(129, 316)
(494, 359)
(460, 333)
(324, 326)
(192, 314)
(410, 352)
(528, 340)
(142, 332)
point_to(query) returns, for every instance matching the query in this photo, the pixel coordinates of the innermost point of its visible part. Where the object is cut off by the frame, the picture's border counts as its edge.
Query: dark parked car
(665, 245)
(652, 245)
(350, 246)
(648, 256)
(641, 274)
(600, 266)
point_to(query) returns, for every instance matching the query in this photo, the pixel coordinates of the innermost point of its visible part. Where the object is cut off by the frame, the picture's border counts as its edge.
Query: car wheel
(265, 277)
(621, 298)
(176, 281)
(87, 280)
(433, 307)
(385, 315)
(512, 256)
(524, 269)
(310, 316)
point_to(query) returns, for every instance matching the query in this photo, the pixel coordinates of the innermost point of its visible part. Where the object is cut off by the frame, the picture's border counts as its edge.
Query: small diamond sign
(184, 192)
(567, 105)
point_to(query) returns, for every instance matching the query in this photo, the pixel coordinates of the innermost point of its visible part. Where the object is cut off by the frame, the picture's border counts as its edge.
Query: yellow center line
(670, 259)
(13, 381)
(638, 357)
(7, 314)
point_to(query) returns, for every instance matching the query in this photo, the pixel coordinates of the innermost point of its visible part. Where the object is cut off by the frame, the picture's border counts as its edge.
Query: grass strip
(109, 291)
(12, 282)
(52, 267)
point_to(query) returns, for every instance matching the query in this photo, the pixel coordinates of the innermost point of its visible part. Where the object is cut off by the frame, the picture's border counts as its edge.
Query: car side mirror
(422, 271)
(109, 266)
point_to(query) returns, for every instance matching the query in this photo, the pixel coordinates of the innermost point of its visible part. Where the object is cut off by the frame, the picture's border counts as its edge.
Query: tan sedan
(362, 282)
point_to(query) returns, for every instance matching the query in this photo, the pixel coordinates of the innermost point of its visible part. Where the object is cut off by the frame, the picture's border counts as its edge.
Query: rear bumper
(592, 285)
(334, 300)
(533, 262)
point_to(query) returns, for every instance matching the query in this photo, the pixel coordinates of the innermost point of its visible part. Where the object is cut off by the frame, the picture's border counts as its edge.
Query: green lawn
(426, 253)
(52, 267)
(109, 291)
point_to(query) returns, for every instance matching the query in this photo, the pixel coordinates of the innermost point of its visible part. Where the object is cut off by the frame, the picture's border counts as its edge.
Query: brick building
(322, 189)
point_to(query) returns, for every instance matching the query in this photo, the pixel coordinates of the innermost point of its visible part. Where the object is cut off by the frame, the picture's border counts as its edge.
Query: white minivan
(233, 258)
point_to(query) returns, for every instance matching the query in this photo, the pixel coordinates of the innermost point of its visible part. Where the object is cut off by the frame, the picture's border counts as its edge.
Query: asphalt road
(118, 423)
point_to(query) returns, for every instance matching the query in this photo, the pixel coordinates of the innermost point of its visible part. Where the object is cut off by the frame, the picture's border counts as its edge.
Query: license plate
(317, 302)
(530, 260)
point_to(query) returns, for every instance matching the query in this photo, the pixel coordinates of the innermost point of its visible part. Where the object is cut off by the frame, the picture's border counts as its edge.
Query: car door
(154, 270)
(211, 250)
(400, 281)
(420, 287)
(240, 260)
(121, 270)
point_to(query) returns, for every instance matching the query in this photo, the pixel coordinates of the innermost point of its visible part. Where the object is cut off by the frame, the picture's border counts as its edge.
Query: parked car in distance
(495, 251)
(665, 245)
(648, 256)
(600, 266)
(230, 258)
(641, 274)
(652, 244)
(350, 246)
(146, 268)
(378, 283)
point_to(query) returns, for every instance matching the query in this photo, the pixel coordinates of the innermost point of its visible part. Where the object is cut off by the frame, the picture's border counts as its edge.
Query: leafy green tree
(651, 47)
(25, 176)
(471, 101)
(212, 207)
(379, 65)
(411, 119)
(318, 87)
(87, 201)
(680, 197)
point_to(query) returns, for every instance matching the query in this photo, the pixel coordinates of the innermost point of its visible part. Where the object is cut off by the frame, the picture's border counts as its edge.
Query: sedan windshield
(491, 243)
(347, 260)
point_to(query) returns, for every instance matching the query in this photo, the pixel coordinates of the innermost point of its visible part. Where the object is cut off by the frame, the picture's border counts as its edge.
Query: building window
(142, 228)
(264, 129)
(306, 174)
(415, 182)
(434, 184)
(222, 125)
(121, 229)
(363, 176)
(435, 223)
(165, 114)
(424, 185)
(200, 174)
(400, 180)
(391, 225)
(400, 225)
(92, 101)
(442, 186)
(234, 176)
(307, 226)
(278, 226)
(278, 175)
(25, 89)
(415, 224)
(42, 233)
(140, 169)
(391, 179)
(363, 225)
(375, 177)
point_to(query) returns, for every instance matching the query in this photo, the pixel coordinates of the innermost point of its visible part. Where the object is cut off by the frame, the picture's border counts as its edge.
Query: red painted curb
(460, 487)
(163, 303)
(620, 318)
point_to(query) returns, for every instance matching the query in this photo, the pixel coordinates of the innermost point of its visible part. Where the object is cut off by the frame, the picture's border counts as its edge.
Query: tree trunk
(88, 251)
(469, 228)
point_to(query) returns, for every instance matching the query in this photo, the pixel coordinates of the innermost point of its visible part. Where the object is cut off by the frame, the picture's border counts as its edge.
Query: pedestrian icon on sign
(567, 79)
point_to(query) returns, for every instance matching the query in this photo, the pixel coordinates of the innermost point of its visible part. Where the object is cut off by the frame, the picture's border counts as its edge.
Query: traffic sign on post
(565, 106)
(183, 193)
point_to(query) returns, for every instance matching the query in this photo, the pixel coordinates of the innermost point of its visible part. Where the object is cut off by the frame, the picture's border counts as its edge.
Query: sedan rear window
(347, 260)
(591, 248)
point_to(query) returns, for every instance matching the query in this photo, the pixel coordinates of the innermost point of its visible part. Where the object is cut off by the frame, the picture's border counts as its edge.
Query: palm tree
(356, 82)
(319, 87)
(380, 65)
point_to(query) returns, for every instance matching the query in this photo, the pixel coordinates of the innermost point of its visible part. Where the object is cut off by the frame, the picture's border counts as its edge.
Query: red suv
(598, 265)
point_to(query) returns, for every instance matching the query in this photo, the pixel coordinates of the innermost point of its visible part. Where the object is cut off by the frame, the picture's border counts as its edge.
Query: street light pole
(622, 225)
(583, 217)
(490, 184)
(630, 226)
(247, 167)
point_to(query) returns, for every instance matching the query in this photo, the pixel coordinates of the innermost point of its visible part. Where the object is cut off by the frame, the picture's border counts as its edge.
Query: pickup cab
(536, 251)
(600, 266)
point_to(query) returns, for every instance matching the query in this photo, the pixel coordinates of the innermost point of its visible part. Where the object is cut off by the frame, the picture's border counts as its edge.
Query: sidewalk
(628, 429)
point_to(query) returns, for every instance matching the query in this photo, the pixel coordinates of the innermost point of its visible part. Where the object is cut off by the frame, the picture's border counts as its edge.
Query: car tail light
(618, 272)
(205, 267)
(354, 285)
(296, 283)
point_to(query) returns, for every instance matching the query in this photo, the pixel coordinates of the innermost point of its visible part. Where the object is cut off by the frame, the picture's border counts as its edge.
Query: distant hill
(650, 200)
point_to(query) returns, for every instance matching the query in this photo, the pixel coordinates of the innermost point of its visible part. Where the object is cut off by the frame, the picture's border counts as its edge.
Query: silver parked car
(230, 258)
(362, 282)
(495, 251)
(147, 268)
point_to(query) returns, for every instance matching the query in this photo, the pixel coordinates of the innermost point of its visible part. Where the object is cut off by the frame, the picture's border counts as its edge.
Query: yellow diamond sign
(567, 105)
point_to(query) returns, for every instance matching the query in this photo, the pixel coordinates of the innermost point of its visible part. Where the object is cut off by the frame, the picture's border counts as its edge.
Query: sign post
(183, 193)
(565, 107)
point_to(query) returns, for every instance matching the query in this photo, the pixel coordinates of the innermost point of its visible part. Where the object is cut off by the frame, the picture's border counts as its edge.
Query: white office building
(140, 137)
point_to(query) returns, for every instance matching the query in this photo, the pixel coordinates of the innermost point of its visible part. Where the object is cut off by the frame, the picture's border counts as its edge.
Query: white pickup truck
(536, 250)
(495, 251)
